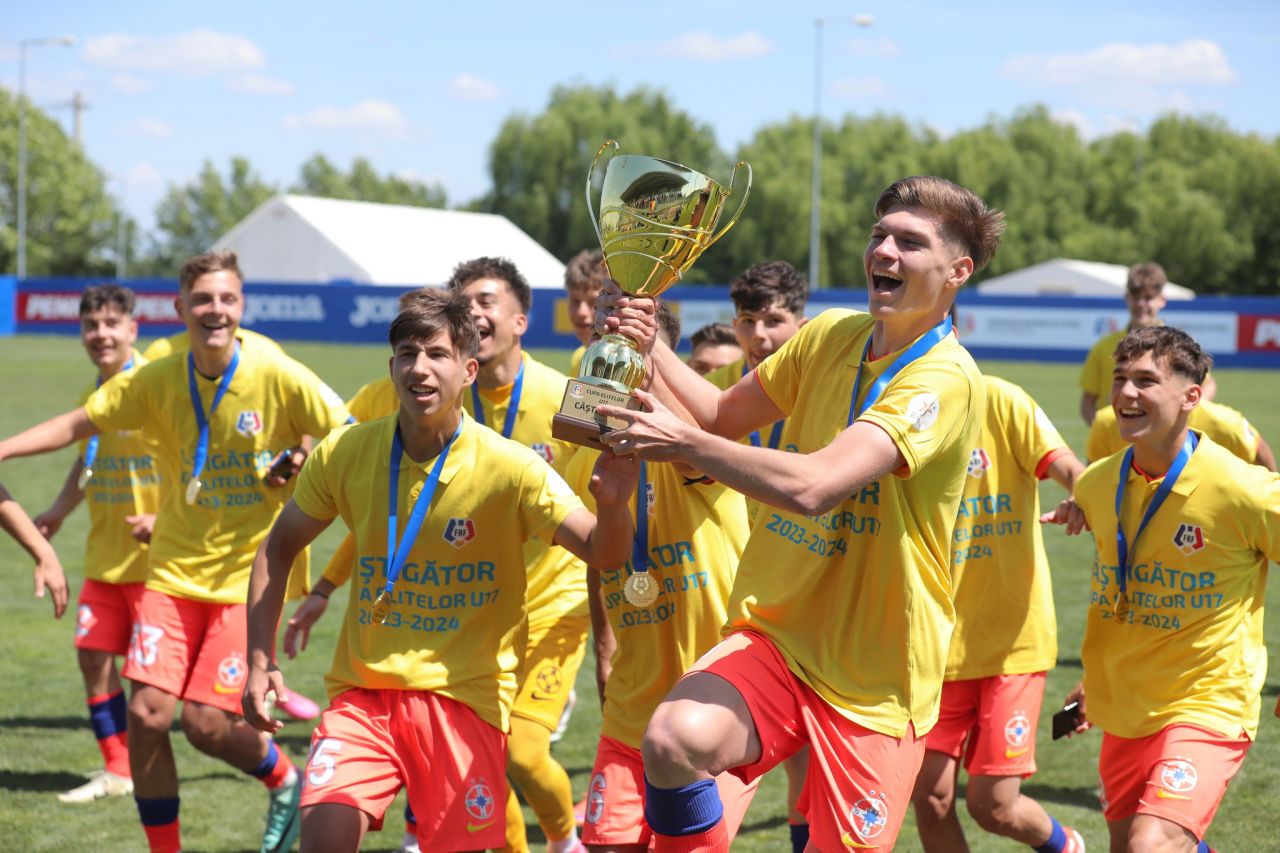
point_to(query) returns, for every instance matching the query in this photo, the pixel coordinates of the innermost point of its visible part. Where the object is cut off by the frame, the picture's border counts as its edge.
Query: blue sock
(1203, 847)
(682, 811)
(1057, 839)
(109, 716)
(268, 764)
(157, 812)
(799, 837)
(409, 816)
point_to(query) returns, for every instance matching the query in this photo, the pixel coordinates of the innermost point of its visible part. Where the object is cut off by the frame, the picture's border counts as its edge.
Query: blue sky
(421, 88)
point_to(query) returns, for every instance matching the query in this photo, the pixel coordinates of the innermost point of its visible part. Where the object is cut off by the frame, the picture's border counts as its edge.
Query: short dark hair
(101, 296)
(205, 263)
(1167, 345)
(967, 221)
(761, 285)
(499, 268)
(586, 269)
(668, 324)
(1146, 279)
(714, 334)
(432, 311)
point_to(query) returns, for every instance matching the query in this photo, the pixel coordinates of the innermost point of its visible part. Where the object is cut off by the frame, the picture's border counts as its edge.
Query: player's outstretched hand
(141, 526)
(254, 699)
(614, 478)
(633, 316)
(48, 523)
(48, 575)
(298, 629)
(654, 433)
(1068, 513)
(1082, 718)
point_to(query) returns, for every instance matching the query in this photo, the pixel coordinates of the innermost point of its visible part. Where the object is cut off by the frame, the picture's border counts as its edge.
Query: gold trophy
(656, 218)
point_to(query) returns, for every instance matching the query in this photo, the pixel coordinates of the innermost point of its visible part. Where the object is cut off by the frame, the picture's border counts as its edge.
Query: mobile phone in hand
(282, 465)
(1066, 720)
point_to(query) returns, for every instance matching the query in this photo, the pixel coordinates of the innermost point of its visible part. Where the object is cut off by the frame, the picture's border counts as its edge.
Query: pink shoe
(1075, 844)
(298, 706)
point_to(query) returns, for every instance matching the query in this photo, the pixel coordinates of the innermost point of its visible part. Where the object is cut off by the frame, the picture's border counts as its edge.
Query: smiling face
(761, 332)
(1150, 399)
(1144, 307)
(497, 315)
(581, 305)
(108, 335)
(912, 272)
(212, 308)
(429, 375)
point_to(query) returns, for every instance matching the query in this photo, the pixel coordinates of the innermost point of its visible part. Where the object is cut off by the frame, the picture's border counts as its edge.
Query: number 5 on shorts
(323, 761)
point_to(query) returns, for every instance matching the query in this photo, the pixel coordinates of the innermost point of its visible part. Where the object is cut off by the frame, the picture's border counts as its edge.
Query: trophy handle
(595, 222)
(746, 191)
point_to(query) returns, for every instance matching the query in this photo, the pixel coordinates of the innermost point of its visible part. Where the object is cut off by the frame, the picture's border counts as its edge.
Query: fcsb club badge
(1178, 777)
(869, 816)
(1189, 538)
(479, 800)
(249, 423)
(231, 674)
(459, 531)
(979, 462)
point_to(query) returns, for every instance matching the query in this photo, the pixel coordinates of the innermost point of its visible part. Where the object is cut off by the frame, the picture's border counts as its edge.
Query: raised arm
(53, 434)
(604, 539)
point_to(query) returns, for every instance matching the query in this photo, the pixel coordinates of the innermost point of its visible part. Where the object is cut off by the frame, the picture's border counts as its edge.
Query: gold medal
(1121, 609)
(382, 608)
(86, 474)
(193, 492)
(640, 590)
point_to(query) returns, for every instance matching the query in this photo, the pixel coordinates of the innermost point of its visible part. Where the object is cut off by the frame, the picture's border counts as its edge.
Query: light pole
(64, 41)
(815, 202)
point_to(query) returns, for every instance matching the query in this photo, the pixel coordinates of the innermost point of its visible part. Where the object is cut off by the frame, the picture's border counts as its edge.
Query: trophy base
(577, 422)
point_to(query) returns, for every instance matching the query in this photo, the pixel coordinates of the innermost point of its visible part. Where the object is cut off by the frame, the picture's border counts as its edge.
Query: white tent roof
(1064, 277)
(293, 238)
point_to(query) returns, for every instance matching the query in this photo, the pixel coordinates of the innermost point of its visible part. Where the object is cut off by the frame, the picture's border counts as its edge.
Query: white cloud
(153, 128)
(705, 47)
(874, 48)
(1076, 119)
(143, 175)
(469, 87)
(372, 115)
(129, 84)
(860, 87)
(261, 84)
(197, 52)
(1120, 64)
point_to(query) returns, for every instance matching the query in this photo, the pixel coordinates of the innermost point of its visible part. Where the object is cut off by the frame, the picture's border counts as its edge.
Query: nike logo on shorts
(1014, 753)
(1162, 794)
(849, 841)
(476, 827)
(218, 688)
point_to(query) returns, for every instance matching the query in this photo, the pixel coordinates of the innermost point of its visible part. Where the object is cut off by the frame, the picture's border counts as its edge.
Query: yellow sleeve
(314, 407)
(1231, 429)
(1032, 436)
(338, 571)
(314, 494)
(158, 349)
(1095, 376)
(1266, 519)
(124, 402)
(546, 500)
(1098, 445)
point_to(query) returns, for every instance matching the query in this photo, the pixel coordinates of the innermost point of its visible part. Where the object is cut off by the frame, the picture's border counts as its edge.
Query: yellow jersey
(181, 342)
(1226, 426)
(125, 482)
(1005, 623)
(457, 626)
(557, 579)
(204, 552)
(575, 360)
(1190, 648)
(374, 400)
(878, 565)
(1099, 365)
(696, 534)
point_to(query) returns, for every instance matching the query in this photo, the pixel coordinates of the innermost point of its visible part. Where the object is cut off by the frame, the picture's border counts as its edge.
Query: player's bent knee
(932, 804)
(990, 814)
(331, 827)
(150, 712)
(205, 726)
(1148, 834)
(683, 734)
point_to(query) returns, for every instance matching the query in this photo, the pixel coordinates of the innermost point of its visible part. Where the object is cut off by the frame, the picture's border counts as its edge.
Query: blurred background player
(714, 346)
(116, 472)
(1173, 649)
(1144, 297)
(425, 707)
(1005, 637)
(584, 275)
(48, 573)
(221, 415)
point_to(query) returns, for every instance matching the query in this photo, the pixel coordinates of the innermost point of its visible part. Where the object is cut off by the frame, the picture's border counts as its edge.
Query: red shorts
(859, 781)
(371, 743)
(1179, 774)
(615, 799)
(105, 615)
(997, 717)
(191, 649)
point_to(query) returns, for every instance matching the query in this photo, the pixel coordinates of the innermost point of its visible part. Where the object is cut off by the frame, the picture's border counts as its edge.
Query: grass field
(46, 744)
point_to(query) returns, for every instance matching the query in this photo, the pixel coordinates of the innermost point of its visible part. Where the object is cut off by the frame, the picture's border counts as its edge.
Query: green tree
(70, 217)
(319, 177)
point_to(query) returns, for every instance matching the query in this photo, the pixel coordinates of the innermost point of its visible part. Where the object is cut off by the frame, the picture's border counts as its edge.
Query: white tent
(292, 238)
(1064, 277)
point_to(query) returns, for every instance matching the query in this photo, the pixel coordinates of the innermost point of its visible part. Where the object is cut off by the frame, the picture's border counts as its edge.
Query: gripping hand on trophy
(618, 313)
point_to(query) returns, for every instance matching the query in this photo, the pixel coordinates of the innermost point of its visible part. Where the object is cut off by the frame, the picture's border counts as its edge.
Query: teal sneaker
(283, 822)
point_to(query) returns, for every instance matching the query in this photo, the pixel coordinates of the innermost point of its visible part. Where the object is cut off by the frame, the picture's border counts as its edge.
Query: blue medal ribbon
(398, 554)
(775, 434)
(202, 421)
(1125, 551)
(926, 342)
(640, 543)
(513, 405)
(91, 446)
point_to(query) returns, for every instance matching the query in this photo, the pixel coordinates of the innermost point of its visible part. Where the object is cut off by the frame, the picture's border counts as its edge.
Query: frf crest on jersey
(459, 531)
(545, 451)
(1189, 538)
(249, 423)
(979, 462)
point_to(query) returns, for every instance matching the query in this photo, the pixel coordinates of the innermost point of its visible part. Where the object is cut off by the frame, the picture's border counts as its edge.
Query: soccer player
(48, 570)
(1173, 650)
(1144, 297)
(1225, 425)
(117, 472)
(219, 414)
(1005, 637)
(856, 533)
(714, 346)
(181, 342)
(584, 275)
(425, 673)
